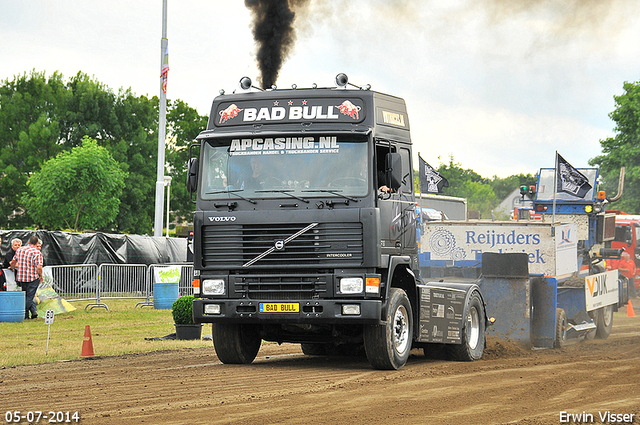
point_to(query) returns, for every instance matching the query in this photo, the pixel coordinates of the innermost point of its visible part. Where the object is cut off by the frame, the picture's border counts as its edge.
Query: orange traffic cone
(87, 344)
(630, 312)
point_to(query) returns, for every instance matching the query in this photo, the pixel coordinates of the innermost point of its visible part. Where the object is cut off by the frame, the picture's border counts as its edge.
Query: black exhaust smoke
(274, 34)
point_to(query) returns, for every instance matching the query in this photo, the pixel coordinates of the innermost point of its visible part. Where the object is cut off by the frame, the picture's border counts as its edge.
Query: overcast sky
(500, 85)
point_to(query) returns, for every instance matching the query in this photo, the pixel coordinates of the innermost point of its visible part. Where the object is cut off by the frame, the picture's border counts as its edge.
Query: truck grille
(232, 246)
(281, 287)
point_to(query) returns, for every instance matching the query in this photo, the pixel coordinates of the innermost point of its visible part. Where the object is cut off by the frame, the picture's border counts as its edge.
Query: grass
(120, 330)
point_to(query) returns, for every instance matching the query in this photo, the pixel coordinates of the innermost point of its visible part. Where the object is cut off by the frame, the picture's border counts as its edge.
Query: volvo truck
(305, 230)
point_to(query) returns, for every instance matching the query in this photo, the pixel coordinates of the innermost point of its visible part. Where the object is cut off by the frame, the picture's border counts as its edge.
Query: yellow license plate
(279, 307)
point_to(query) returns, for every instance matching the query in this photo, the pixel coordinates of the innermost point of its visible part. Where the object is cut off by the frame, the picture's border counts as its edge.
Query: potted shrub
(182, 311)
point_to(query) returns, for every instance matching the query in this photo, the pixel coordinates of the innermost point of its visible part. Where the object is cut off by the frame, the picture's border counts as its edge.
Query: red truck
(627, 237)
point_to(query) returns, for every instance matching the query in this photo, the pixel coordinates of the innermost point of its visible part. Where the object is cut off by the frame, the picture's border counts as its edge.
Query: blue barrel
(164, 294)
(12, 306)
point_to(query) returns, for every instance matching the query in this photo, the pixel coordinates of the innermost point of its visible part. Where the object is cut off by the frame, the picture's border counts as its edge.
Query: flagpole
(162, 125)
(555, 187)
(420, 180)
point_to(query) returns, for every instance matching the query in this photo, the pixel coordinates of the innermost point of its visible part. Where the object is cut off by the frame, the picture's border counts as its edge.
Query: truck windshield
(271, 167)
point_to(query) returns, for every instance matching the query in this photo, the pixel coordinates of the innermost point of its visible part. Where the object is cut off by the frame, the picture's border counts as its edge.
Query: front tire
(473, 333)
(388, 345)
(235, 343)
(561, 329)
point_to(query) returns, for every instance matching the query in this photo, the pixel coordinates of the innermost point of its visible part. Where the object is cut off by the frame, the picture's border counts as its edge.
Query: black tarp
(64, 248)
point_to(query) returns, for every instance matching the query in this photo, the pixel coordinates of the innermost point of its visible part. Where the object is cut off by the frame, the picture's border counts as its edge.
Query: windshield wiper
(285, 191)
(333, 192)
(233, 192)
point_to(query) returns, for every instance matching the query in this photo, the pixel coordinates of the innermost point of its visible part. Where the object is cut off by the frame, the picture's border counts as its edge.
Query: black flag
(570, 180)
(430, 180)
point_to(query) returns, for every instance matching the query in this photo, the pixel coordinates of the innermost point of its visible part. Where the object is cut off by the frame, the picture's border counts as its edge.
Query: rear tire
(388, 345)
(236, 344)
(604, 322)
(473, 333)
(561, 329)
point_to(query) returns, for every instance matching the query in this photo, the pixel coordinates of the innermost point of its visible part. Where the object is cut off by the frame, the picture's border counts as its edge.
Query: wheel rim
(401, 330)
(607, 315)
(473, 327)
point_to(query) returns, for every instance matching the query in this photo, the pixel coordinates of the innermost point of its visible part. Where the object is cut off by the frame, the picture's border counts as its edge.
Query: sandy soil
(282, 386)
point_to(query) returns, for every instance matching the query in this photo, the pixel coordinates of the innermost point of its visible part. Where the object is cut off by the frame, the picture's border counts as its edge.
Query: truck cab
(627, 237)
(305, 225)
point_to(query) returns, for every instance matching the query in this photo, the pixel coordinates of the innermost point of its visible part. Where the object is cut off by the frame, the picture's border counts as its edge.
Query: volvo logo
(279, 245)
(221, 219)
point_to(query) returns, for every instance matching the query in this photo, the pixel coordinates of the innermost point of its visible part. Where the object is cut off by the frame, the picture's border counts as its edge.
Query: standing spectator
(627, 268)
(3, 278)
(29, 274)
(8, 257)
(190, 247)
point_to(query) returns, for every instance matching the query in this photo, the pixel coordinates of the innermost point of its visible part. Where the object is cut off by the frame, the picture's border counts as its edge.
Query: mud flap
(442, 311)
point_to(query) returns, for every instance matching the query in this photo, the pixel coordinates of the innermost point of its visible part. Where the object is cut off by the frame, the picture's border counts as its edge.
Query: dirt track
(509, 385)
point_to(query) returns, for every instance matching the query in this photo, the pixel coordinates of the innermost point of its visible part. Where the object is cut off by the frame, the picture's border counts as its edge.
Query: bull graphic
(348, 108)
(232, 111)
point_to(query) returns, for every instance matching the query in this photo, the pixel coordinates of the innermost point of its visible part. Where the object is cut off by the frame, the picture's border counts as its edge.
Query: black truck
(305, 230)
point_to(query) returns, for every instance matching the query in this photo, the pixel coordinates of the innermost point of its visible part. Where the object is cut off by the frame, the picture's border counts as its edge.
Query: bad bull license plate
(279, 307)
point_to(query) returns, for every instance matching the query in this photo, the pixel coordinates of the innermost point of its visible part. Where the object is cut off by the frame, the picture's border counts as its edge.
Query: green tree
(183, 124)
(126, 125)
(466, 183)
(482, 194)
(41, 117)
(503, 187)
(29, 132)
(78, 189)
(623, 150)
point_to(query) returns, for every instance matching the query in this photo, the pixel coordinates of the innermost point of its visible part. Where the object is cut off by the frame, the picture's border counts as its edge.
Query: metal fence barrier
(185, 286)
(76, 282)
(113, 281)
(123, 281)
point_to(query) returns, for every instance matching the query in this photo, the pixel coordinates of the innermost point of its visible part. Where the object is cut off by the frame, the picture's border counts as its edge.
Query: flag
(430, 180)
(164, 73)
(570, 180)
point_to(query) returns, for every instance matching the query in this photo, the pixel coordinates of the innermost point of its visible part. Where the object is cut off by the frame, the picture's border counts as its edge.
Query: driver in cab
(257, 177)
(382, 181)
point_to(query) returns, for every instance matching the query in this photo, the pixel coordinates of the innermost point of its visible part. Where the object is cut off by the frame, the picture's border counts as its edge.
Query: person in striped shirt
(29, 274)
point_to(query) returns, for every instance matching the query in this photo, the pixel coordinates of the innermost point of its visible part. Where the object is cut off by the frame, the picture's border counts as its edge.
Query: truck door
(397, 208)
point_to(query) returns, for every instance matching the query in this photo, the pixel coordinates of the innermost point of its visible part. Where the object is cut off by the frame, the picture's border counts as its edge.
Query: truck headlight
(212, 309)
(351, 285)
(213, 287)
(351, 309)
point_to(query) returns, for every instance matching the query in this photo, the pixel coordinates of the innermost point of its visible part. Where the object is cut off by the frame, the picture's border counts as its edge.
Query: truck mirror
(393, 164)
(192, 175)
